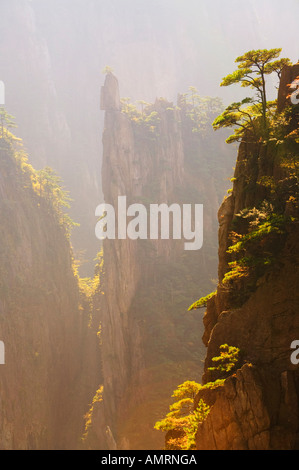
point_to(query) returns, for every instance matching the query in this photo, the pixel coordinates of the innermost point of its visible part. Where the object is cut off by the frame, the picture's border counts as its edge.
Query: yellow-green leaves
(253, 66)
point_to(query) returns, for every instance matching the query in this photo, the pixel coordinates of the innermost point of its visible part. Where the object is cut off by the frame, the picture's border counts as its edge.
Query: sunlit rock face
(257, 407)
(52, 56)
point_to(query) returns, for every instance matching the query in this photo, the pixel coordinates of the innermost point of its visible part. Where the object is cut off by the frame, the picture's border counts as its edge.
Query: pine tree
(253, 67)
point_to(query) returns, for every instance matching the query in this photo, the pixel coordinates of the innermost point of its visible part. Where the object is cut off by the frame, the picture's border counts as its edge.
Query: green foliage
(198, 111)
(6, 122)
(257, 240)
(253, 66)
(45, 183)
(245, 119)
(227, 361)
(252, 120)
(146, 120)
(187, 389)
(268, 182)
(238, 270)
(185, 414)
(258, 247)
(202, 302)
(213, 385)
(201, 110)
(273, 224)
(89, 287)
(107, 69)
(98, 398)
(277, 66)
(284, 132)
(183, 417)
(48, 185)
(194, 419)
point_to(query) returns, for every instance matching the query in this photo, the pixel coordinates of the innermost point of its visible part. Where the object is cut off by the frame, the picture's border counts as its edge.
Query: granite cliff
(52, 55)
(257, 310)
(149, 340)
(52, 366)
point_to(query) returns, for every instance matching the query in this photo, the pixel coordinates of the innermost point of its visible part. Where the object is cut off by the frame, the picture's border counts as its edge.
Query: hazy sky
(178, 43)
(52, 53)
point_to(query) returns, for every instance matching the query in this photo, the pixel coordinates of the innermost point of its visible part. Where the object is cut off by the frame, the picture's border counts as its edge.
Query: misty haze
(149, 201)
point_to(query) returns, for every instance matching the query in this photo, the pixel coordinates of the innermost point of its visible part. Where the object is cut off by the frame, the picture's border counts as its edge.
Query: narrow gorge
(150, 342)
(52, 362)
(127, 322)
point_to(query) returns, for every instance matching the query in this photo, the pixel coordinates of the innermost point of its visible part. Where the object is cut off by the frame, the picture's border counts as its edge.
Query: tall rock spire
(110, 99)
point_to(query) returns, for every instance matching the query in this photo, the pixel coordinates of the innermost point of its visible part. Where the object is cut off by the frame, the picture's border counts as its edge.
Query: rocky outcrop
(52, 367)
(254, 410)
(263, 328)
(110, 99)
(148, 344)
(288, 75)
(257, 406)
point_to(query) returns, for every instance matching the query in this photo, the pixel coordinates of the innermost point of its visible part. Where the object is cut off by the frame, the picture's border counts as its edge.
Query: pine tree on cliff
(251, 114)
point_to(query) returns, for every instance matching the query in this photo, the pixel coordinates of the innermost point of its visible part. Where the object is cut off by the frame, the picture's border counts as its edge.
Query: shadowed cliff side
(51, 349)
(256, 305)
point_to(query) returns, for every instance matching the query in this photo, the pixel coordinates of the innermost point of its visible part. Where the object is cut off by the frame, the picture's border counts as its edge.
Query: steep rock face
(52, 54)
(51, 355)
(149, 343)
(289, 74)
(62, 131)
(257, 407)
(255, 410)
(127, 167)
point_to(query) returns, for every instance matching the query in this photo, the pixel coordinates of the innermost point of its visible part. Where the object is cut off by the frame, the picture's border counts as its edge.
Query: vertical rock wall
(150, 342)
(51, 365)
(257, 407)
